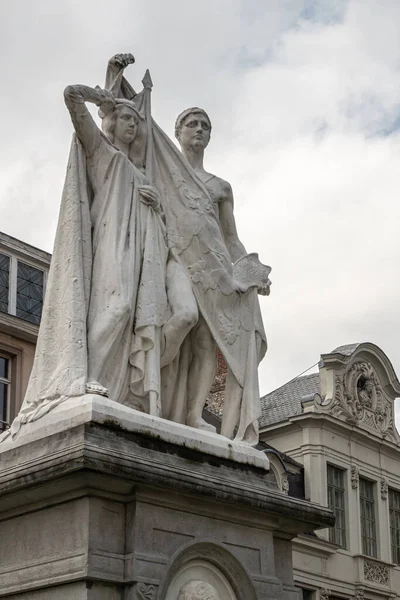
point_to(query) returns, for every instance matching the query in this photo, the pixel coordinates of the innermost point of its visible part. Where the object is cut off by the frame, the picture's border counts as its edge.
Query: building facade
(23, 273)
(339, 424)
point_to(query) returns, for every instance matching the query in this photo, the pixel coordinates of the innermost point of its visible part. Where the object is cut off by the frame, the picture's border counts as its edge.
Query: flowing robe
(106, 300)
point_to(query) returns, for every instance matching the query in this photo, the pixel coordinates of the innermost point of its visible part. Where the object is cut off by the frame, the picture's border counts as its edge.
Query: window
(5, 374)
(4, 281)
(336, 502)
(29, 293)
(21, 289)
(307, 594)
(394, 514)
(367, 510)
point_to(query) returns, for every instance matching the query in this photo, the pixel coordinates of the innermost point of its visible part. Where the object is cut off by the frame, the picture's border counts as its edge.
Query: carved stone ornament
(285, 485)
(359, 595)
(376, 572)
(384, 488)
(198, 589)
(360, 400)
(355, 476)
(145, 591)
(324, 594)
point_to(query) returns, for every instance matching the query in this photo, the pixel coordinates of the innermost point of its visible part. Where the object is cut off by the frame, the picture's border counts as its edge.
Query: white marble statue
(202, 238)
(106, 298)
(148, 275)
(198, 590)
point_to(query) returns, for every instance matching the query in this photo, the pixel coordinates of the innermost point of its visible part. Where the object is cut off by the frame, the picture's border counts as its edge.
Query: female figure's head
(193, 128)
(198, 590)
(121, 123)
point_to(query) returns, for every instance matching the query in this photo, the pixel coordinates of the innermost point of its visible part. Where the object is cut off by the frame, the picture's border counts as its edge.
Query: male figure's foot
(200, 423)
(93, 387)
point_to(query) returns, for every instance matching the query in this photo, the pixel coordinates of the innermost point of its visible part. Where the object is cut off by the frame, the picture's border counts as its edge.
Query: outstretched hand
(121, 61)
(150, 196)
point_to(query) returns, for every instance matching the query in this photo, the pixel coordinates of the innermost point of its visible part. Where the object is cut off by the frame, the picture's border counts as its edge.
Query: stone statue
(198, 590)
(193, 130)
(202, 238)
(148, 275)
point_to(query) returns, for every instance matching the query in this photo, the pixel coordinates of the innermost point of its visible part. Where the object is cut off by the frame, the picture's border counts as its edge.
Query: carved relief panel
(360, 399)
(200, 579)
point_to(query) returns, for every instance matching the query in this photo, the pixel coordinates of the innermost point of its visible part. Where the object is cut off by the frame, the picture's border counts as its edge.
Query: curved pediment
(359, 386)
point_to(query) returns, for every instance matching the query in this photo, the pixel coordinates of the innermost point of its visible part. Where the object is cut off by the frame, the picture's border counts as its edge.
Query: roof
(285, 402)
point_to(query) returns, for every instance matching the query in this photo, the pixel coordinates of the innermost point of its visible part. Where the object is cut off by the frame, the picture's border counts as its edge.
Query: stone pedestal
(100, 502)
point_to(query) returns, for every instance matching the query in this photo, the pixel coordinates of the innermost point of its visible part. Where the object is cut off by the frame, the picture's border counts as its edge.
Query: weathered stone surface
(97, 409)
(99, 504)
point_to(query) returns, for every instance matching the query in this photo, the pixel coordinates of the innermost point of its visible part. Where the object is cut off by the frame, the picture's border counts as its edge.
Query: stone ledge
(96, 409)
(121, 460)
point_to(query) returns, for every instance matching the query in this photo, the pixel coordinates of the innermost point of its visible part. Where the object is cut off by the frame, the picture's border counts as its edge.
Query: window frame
(13, 278)
(394, 548)
(336, 532)
(368, 542)
(14, 355)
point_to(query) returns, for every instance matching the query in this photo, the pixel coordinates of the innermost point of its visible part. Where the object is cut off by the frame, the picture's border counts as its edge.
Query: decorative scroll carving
(359, 595)
(355, 476)
(376, 572)
(145, 591)
(384, 488)
(324, 594)
(360, 399)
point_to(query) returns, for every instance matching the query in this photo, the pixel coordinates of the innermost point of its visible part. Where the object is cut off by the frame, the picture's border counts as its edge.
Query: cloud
(304, 101)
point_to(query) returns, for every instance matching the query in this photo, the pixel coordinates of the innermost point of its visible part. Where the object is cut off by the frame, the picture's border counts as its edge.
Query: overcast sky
(304, 97)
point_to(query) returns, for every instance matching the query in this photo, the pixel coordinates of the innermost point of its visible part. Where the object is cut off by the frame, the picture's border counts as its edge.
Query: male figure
(193, 130)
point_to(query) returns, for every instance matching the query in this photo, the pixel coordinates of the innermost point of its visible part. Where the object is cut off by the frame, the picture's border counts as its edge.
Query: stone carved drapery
(384, 488)
(145, 591)
(360, 400)
(376, 572)
(355, 477)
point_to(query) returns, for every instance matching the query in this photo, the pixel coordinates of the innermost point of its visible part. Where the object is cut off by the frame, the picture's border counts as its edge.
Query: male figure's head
(121, 123)
(193, 129)
(198, 590)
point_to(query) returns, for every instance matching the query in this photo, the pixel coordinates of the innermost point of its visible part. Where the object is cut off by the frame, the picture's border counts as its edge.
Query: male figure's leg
(201, 374)
(184, 311)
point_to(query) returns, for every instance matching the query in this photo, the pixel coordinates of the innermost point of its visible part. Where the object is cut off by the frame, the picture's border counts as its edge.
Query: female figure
(127, 305)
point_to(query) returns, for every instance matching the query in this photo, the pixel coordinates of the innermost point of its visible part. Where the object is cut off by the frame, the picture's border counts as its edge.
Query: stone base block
(102, 511)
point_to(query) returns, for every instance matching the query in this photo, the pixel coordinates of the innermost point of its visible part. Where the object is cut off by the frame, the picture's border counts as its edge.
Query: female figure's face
(126, 125)
(195, 131)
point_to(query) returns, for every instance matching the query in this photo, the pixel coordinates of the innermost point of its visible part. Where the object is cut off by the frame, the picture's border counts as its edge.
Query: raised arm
(75, 97)
(228, 225)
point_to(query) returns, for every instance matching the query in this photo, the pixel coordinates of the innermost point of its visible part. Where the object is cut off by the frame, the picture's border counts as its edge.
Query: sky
(304, 98)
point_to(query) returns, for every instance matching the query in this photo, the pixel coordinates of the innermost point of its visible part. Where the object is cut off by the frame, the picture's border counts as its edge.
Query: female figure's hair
(189, 111)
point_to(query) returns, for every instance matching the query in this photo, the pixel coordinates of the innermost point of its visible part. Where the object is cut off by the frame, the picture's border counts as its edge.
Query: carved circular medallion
(198, 580)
